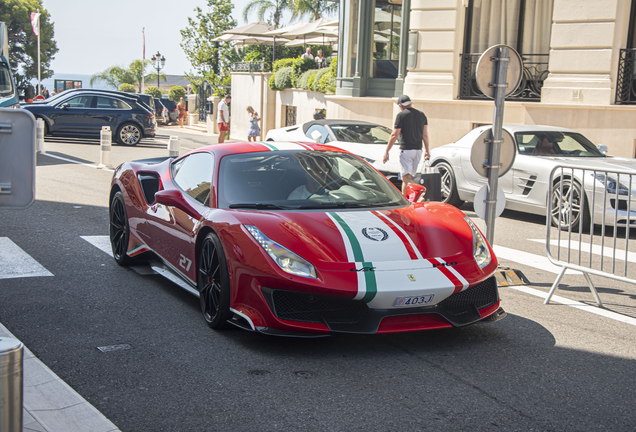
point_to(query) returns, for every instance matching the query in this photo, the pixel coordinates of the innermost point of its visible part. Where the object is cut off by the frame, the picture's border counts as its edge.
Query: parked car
(526, 185)
(83, 113)
(367, 140)
(173, 112)
(161, 113)
(301, 239)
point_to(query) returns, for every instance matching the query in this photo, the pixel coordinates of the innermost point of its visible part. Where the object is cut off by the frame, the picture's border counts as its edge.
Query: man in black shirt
(411, 126)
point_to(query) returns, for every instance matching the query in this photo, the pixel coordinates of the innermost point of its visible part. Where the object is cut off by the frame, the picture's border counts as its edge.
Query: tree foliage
(114, 76)
(212, 60)
(154, 92)
(128, 88)
(23, 44)
(176, 93)
(313, 9)
(274, 7)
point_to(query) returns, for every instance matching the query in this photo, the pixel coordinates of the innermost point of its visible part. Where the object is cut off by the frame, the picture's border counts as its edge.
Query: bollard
(173, 146)
(11, 382)
(106, 139)
(39, 138)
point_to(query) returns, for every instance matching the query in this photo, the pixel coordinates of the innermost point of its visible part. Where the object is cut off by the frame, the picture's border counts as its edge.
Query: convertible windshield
(299, 180)
(361, 133)
(554, 143)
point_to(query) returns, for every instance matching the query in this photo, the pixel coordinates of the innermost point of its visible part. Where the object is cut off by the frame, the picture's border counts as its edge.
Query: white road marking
(578, 305)
(596, 249)
(76, 162)
(16, 263)
(528, 259)
(100, 242)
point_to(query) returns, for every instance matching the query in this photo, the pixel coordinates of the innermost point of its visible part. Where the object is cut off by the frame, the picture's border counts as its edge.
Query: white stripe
(76, 162)
(596, 249)
(528, 259)
(100, 242)
(461, 278)
(362, 285)
(387, 220)
(16, 263)
(581, 306)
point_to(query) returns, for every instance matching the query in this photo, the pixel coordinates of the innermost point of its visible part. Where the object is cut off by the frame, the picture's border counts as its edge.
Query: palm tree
(313, 9)
(114, 76)
(263, 6)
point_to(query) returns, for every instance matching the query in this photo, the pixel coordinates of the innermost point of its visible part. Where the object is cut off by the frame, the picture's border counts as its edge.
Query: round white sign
(480, 206)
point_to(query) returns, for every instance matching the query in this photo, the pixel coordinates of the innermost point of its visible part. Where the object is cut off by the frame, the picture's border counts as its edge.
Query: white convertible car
(364, 139)
(539, 149)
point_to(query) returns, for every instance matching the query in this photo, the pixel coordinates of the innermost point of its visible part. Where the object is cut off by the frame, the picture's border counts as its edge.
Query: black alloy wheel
(119, 230)
(449, 185)
(129, 134)
(566, 203)
(213, 283)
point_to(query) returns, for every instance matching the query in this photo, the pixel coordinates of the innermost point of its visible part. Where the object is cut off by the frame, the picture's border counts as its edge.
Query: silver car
(527, 188)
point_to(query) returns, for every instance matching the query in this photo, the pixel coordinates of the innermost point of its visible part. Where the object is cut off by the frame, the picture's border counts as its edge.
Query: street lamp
(158, 62)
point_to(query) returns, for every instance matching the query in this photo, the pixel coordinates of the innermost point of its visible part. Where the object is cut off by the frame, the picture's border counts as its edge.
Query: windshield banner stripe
(269, 146)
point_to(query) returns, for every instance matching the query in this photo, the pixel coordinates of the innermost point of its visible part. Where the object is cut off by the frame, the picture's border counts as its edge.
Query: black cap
(404, 100)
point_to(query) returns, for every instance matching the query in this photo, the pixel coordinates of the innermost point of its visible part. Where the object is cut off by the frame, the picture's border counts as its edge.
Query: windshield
(6, 84)
(293, 180)
(361, 133)
(554, 143)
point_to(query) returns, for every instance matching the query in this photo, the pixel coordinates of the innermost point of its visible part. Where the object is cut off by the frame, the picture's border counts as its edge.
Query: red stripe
(303, 145)
(450, 275)
(399, 233)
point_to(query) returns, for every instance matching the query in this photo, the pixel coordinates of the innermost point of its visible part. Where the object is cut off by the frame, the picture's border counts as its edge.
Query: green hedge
(154, 92)
(175, 93)
(317, 77)
(303, 80)
(128, 88)
(283, 78)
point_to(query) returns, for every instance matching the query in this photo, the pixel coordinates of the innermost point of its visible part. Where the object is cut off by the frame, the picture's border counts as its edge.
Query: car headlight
(481, 252)
(611, 185)
(283, 257)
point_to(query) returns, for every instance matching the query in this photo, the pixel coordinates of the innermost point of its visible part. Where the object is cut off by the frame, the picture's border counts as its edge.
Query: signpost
(495, 66)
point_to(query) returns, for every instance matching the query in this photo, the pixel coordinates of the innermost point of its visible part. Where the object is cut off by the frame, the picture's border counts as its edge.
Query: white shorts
(410, 161)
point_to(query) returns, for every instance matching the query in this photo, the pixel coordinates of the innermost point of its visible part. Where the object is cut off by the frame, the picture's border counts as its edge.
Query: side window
(105, 102)
(122, 105)
(193, 175)
(324, 135)
(80, 102)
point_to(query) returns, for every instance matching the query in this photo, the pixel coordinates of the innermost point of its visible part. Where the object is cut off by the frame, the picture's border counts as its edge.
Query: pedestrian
(307, 54)
(223, 117)
(183, 113)
(411, 129)
(255, 130)
(321, 62)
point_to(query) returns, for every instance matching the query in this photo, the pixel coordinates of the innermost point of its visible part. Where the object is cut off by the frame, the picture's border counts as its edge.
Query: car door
(172, 230)
(106, 112)
(71, 116)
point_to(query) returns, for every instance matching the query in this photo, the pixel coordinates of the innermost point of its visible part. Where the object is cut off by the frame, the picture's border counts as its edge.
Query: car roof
(329, 122)
(512, 128)
(232, 148)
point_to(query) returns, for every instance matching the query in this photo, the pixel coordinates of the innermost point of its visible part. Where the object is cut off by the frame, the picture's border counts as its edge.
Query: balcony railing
(252, 66)
(626, 79)
(535, 71)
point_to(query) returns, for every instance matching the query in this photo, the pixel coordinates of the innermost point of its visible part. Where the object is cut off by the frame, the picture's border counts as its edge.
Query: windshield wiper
(335, 205)
(258, 206)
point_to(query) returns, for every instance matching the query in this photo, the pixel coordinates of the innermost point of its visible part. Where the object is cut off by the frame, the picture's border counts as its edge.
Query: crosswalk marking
(100, 242)
(16, 263)
(528, 259)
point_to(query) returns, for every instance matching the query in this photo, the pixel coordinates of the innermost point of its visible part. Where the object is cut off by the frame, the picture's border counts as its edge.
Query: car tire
(449, 184)
(562, 191)
(129, 134)
(213, 283)
(119, 230)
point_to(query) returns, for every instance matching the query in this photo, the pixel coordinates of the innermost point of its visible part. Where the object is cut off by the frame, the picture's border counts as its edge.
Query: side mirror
(414, 192)
(65, 105)
(173, 198)
(602, 148)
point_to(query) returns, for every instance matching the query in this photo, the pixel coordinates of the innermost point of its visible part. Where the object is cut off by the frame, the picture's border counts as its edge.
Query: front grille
(292, 306)
(480, 296)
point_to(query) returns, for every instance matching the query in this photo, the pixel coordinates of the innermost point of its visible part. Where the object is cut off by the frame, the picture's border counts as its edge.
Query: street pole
(502, 59)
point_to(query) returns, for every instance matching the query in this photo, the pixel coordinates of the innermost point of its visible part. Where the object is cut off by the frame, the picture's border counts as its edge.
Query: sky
(93, 35)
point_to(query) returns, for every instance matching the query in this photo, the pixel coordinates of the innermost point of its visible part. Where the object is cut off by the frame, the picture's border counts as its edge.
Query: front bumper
(354, 316)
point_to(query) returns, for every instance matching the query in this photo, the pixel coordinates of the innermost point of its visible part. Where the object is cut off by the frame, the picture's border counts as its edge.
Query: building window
(349, 60)
(387, 20)
(524, 25)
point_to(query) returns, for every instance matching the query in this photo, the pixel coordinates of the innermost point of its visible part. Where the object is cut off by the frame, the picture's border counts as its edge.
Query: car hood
(597, 163)
(339, 239)
(374, 152)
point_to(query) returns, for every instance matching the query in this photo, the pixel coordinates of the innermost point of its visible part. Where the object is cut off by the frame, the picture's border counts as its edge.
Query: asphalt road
(543, 367)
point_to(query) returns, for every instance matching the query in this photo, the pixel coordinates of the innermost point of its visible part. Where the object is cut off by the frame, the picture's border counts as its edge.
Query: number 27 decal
(184, 262)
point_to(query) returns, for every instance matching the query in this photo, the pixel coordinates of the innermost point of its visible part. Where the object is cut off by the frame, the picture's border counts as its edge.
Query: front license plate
(414, 300)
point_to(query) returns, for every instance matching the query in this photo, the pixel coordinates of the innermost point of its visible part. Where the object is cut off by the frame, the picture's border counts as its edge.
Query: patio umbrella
(253, 29)
(312, 41)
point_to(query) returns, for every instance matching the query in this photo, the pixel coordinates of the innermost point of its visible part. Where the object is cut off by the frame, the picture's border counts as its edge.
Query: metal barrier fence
(582, 197)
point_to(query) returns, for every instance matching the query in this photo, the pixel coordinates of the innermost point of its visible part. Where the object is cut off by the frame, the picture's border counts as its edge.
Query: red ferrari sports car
(303, 240)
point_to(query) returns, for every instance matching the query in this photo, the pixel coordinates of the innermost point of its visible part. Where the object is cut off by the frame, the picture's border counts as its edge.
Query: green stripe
(269, 145)
(369, 276)
(355, 244)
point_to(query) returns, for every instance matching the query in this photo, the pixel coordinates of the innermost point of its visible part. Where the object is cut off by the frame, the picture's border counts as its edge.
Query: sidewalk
(51, 405)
